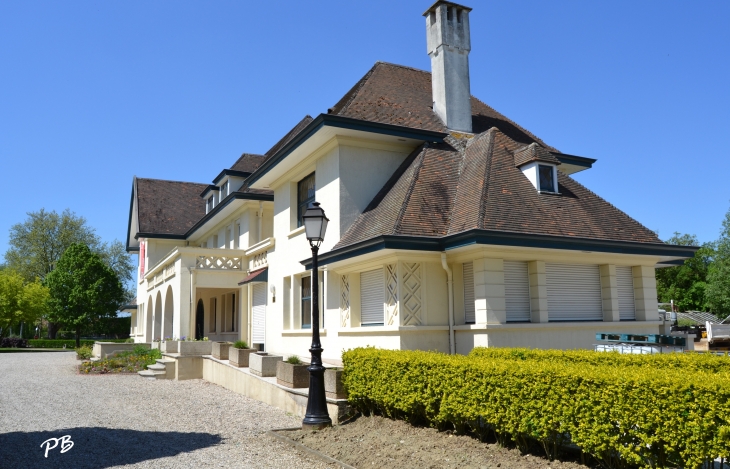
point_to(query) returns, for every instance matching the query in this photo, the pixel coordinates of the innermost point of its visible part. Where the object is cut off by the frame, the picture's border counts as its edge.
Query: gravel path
(127, 421)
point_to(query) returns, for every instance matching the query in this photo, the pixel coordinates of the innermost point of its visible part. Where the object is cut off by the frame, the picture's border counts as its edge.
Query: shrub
(84, 352)
(622, 415)
(293, 360)
(240, 344)
(13, 342)
(129, 361)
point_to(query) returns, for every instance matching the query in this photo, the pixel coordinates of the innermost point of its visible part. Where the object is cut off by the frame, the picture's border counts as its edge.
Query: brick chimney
(448, 41)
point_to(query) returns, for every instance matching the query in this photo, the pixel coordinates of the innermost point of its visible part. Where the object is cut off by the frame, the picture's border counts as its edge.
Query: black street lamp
(317, 417)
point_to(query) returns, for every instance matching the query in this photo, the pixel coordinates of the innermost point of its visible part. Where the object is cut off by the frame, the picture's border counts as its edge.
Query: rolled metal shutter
(469, 309)
(259, 313)
(574, 292)
(517, 291)
(372, 296)
(625, 287)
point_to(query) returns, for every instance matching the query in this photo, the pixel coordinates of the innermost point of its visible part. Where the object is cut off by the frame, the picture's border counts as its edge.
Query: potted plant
(220, 350)
(292, 373)
(238, 354)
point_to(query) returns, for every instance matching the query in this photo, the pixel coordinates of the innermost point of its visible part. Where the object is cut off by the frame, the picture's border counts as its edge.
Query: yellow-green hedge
(680, 361)
(636, 415)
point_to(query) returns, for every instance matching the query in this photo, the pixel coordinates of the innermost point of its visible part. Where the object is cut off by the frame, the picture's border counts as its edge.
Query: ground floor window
(230, 310)
(212, 319)
(469, 309)
(574, 292)
(306, 302)
(372, 298)
(517, 291)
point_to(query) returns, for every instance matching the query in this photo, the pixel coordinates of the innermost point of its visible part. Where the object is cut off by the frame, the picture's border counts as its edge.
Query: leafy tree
(718, 277)
(83, 289)
(20, 301)
(686, 284)
(116, 256)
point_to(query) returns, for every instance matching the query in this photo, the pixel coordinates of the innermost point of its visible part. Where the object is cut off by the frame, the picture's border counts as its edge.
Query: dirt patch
(379, 442)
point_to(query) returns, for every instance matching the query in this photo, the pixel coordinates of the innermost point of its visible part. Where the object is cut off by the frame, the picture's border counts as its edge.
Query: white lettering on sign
(66, 443)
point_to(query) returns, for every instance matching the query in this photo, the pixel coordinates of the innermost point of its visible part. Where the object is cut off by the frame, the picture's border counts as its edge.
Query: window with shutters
(258, 313)
(306, 302)
(625, 287)
(372, 298)
(469, 309)
(305, 196)
(517, 291)
(573, 292)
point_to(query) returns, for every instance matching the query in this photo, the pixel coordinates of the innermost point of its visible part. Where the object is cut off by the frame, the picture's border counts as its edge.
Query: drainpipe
(261, 222)
(450, 286)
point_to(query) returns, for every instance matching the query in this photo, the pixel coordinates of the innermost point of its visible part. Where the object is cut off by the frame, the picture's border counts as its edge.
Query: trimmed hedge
(13, 342)
(679, 361)
(635, 416)
(59, 343)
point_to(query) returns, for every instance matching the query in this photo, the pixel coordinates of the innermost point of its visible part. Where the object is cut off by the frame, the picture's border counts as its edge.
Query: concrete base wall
(104, 349)
(266, 390)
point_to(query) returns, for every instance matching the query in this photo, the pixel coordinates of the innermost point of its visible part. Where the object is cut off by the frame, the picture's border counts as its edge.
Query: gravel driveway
(128, 421)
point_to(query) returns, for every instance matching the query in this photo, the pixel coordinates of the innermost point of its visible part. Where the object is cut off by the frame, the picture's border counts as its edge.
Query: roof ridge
(171, 180)
(408, 67)
(409, 192)
(489, 134)
(345, 101)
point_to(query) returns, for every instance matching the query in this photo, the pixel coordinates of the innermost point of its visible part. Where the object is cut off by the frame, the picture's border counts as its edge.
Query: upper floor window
(305, 196)
(224, 190)
(546, 175)
(211, 201)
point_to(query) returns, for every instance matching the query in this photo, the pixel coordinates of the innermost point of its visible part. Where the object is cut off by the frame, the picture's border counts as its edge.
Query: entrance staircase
(163, 369)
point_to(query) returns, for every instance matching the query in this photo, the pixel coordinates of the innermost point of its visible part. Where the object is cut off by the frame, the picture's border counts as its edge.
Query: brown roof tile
(168, 207)
(248, 162)
(534, 152)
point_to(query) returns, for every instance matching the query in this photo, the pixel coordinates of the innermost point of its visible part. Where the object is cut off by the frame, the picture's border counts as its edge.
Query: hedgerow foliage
(635, 415)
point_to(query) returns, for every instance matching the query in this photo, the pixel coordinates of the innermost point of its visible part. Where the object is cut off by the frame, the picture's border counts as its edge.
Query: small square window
(547, 178)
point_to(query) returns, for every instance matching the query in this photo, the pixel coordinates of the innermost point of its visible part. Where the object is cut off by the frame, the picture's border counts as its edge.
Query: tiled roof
(394, 94)
(168, 207)
(471, 184)
(534, 152)
(290, 135)
(248, 163)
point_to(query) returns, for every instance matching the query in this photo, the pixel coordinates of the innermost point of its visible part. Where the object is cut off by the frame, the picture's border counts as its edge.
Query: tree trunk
(53, 329)
(22, 323)
(78, 336)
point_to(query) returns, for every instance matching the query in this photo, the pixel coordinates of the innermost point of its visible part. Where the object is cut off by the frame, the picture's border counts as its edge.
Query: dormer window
(211, 202)
(546, 175)
(224, 190)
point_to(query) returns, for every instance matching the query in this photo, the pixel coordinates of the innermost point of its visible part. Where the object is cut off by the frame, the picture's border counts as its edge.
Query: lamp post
(317, 417)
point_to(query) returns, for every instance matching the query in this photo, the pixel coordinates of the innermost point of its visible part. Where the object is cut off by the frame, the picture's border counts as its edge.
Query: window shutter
(574, 292)
(625, 286)
(469, 310)
(517, 291)
(372, 295)
(259, 313)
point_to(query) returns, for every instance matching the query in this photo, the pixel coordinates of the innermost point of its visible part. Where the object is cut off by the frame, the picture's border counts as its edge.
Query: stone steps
(163, 369)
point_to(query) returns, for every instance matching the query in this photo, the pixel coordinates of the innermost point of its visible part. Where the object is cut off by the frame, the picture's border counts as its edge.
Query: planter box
(263, 364)
(170, 346)
(155, 346)
(292, 376)
(220, 350)
(240, 356)
(333, 387)
(104, 349)
(195, 348)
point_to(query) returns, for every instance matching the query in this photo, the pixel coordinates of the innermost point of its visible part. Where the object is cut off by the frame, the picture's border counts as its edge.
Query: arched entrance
(199, 321)
(169, 307)
(157, 318)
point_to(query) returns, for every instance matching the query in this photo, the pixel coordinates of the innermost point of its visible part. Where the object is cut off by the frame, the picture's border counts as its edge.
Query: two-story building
(450, 227)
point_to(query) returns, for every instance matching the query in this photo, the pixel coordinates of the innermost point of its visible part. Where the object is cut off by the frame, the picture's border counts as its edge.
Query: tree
(116, 256)
(20, 301)
(718, 277)
(83, 289)
(686, 284)
(38, 243)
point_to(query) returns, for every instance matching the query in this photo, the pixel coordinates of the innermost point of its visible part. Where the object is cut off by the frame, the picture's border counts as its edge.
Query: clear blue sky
(93, 93)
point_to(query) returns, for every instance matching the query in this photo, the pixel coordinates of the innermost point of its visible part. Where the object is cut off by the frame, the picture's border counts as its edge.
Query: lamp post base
(316, 426)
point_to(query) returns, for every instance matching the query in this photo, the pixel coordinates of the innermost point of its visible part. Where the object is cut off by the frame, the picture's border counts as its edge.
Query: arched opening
(167, 323)
(200, 321)
(148, 311)
(157, 318)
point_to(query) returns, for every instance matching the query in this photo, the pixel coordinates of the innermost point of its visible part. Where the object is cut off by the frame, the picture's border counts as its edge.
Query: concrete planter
(170, 346)
(292, 376)
(155, 345)
(240, 356)
(104, 349)
(333, 384)
(220, 350)
(195, 348)
(263, 364)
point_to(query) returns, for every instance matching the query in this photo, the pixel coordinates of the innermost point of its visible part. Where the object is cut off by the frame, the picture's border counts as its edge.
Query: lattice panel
(219, 263)
(391, 294)
(412, 305)
(345, 300)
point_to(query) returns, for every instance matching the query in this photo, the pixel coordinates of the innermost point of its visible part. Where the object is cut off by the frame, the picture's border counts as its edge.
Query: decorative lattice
(345, 300)
(260, 260)
(219, 263)
(169, 271)
(391, 294)
(411, 302)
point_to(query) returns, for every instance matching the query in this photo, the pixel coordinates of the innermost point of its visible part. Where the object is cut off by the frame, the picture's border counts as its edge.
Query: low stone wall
(103, 349)
(266, 390)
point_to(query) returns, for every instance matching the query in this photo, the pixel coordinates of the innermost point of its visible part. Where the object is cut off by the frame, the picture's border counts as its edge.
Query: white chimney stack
(447, 32)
